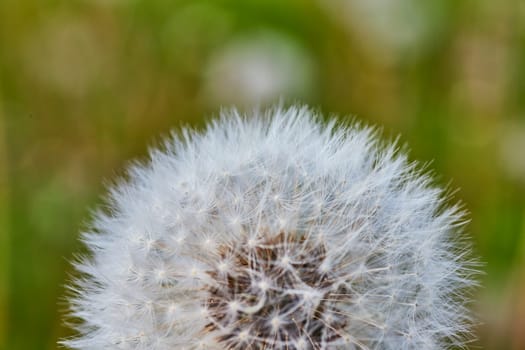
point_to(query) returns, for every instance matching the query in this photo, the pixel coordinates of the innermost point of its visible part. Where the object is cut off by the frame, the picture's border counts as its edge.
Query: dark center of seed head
(272, 293)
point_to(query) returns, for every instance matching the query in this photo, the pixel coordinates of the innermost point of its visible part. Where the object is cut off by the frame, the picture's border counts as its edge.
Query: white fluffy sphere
(274, 231)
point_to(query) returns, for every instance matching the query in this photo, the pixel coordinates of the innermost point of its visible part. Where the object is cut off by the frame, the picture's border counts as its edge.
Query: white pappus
(274, 231)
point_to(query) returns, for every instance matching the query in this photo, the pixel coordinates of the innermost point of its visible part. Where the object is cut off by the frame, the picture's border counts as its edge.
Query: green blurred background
(87, 85)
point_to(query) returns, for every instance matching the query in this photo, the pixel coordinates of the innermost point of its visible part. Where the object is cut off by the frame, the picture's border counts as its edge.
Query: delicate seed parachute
(274, 231)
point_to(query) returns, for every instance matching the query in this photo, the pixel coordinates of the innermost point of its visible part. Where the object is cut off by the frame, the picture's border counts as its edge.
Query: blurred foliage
(87, 85)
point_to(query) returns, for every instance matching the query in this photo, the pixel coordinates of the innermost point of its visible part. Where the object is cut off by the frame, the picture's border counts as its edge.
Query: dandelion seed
(275, 232)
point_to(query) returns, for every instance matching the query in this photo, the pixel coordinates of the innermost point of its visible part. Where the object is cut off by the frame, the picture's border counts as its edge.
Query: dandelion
(275, 231)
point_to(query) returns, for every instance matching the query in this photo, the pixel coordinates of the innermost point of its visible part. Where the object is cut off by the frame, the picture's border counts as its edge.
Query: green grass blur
(87, 85)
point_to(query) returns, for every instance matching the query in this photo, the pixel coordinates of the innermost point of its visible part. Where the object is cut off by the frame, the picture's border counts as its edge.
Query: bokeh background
(88, 85)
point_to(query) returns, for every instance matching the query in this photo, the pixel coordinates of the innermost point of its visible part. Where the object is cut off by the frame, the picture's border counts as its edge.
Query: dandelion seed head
(275, 231)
